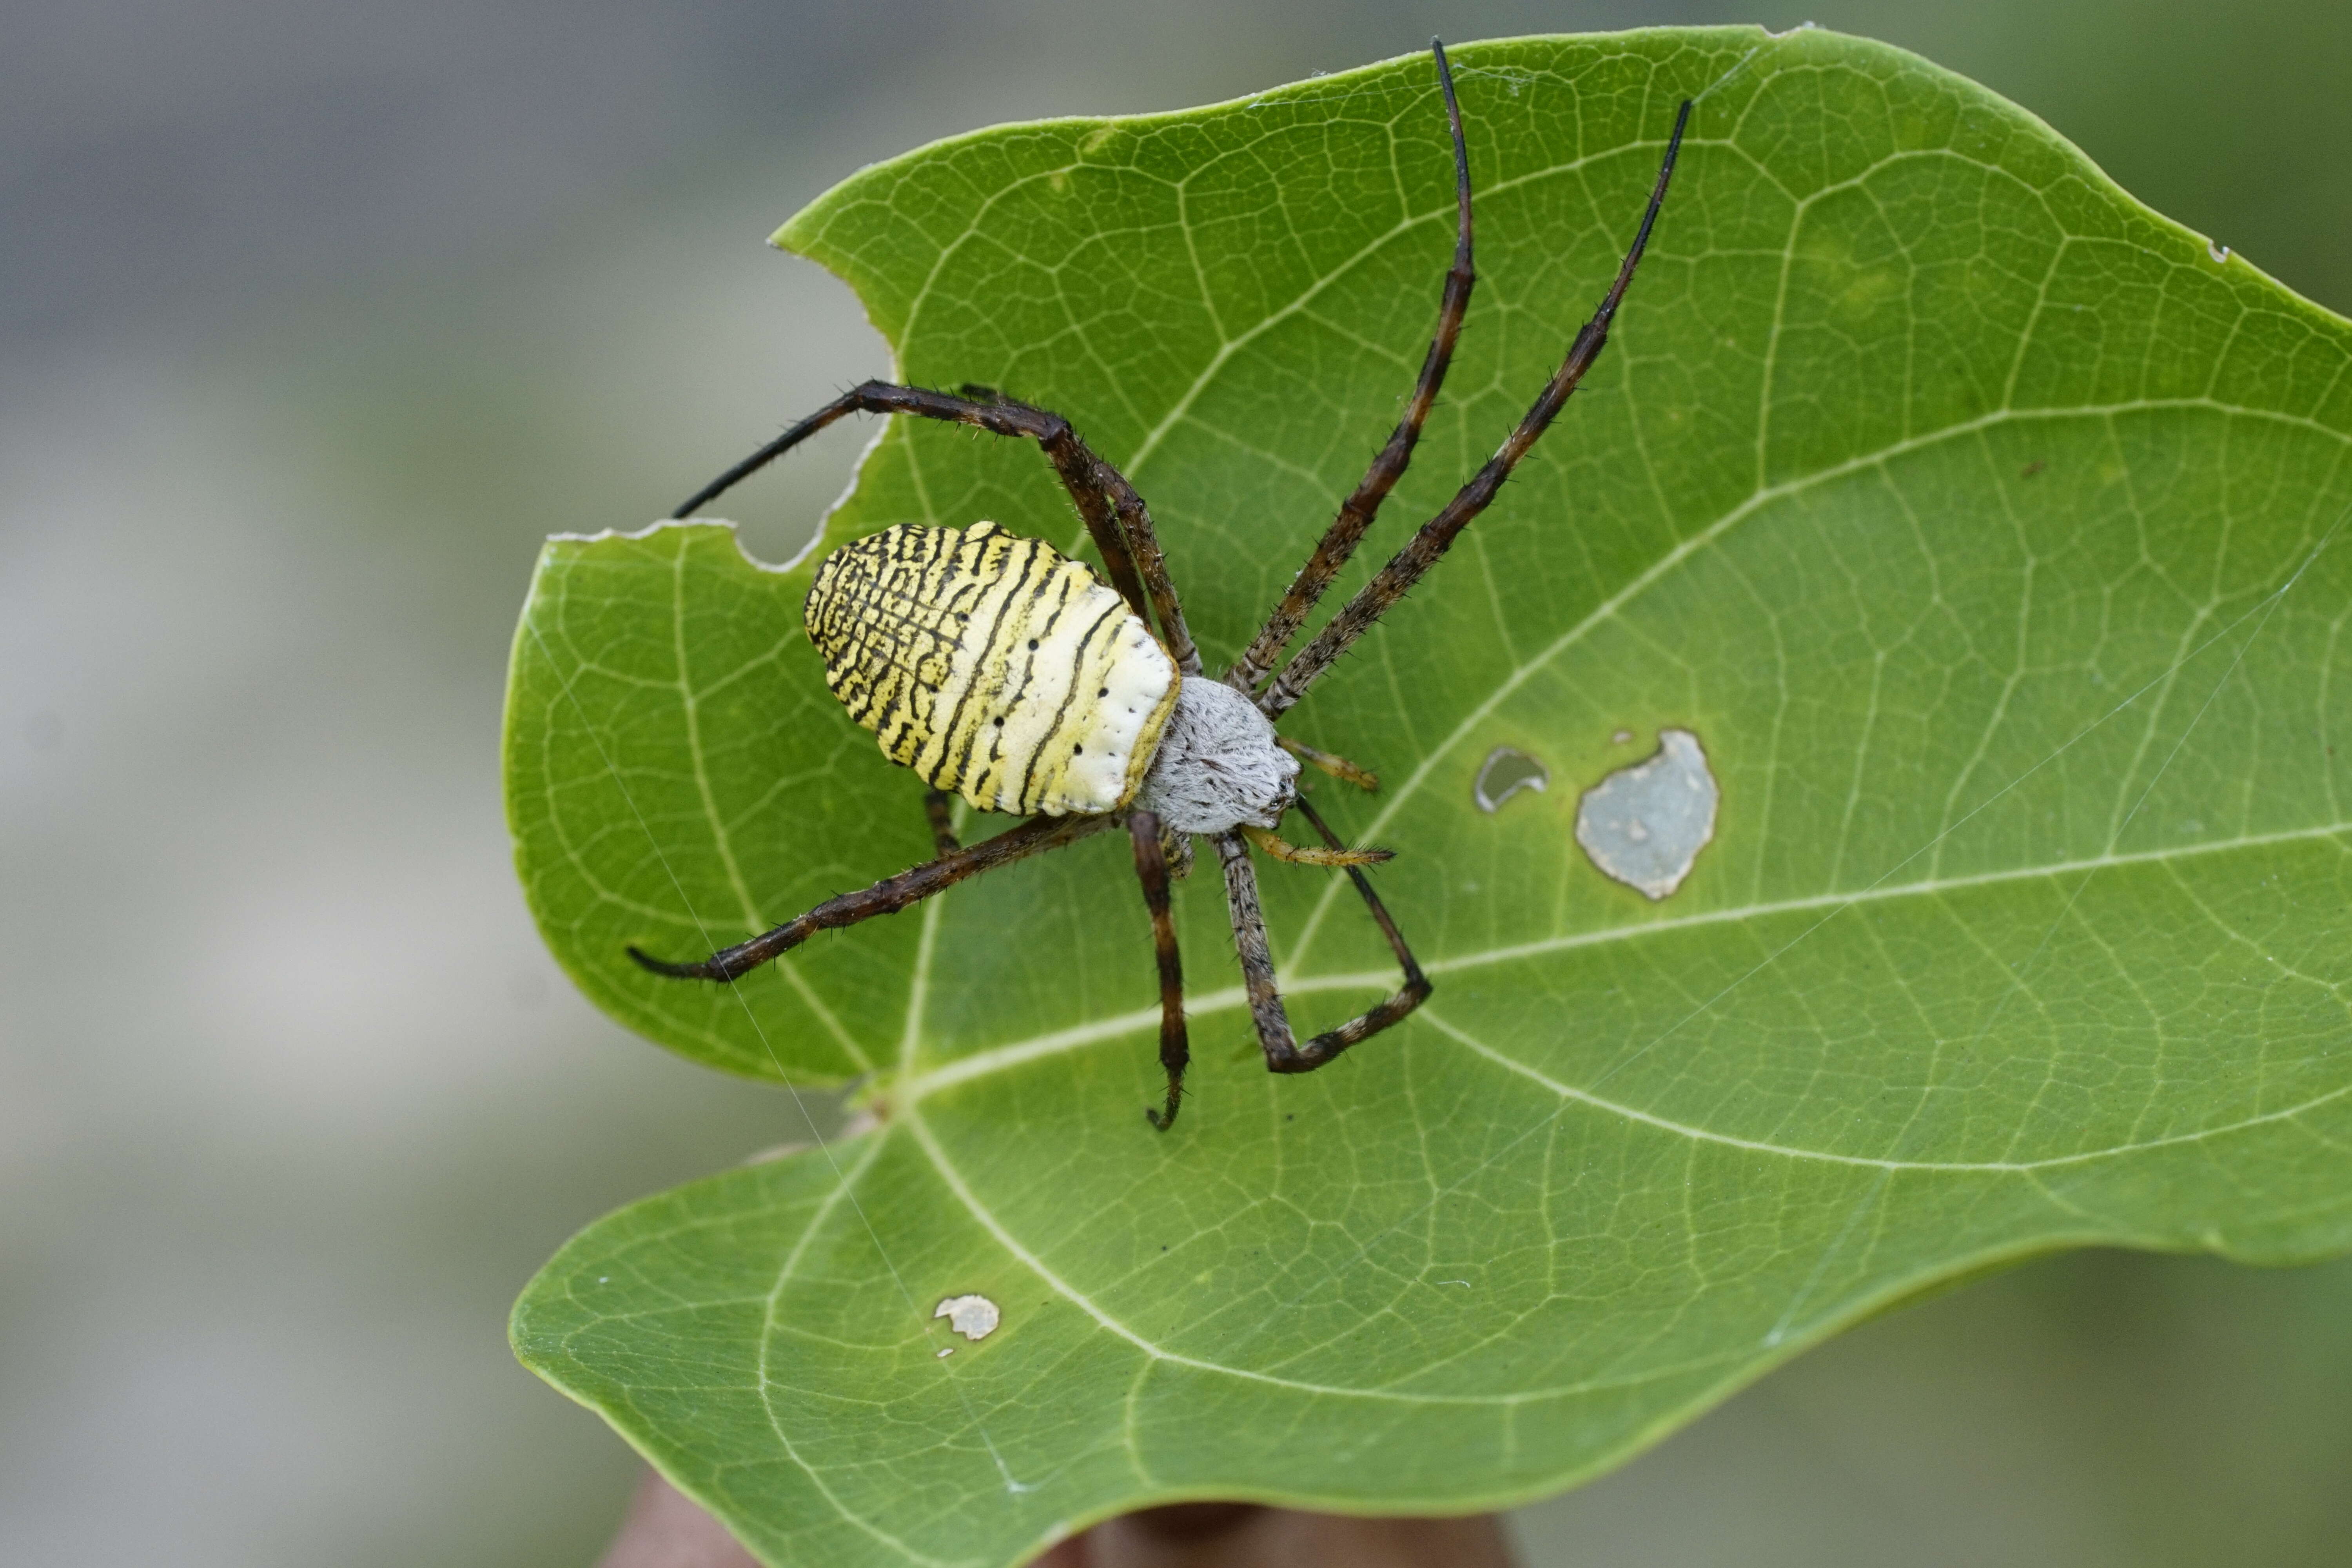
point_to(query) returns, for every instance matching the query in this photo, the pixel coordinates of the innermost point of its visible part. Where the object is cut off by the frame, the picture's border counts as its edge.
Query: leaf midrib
(991, 1062)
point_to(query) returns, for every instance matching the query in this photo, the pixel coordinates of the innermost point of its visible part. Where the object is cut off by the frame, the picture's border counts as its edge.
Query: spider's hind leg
(1356, 513)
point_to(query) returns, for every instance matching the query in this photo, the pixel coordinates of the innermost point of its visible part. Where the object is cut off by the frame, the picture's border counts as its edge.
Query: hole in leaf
(1644, 824)
(1503, 774)
(973, 1317)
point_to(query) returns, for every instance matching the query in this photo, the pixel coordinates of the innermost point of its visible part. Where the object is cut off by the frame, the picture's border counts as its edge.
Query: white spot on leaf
(973, 1317)
(1644, 824)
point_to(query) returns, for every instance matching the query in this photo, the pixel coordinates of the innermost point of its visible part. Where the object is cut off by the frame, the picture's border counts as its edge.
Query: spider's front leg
(1356, 513)
(1340, 768)
(1281, 848)
(1331, 763)
(1283, 1051)
(1422, 551)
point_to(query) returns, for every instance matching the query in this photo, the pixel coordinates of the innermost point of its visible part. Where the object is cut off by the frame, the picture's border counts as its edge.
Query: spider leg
(1283, 1051)
(1281, 849)
(1415, 982)
(1175, 1048)
(1339, 767)
(1115, 514)
(1176, 848)
(939, 807)
(1138, 540)
(1267, 1011)
(1422, 551)
(1356, 513)
(887, 897)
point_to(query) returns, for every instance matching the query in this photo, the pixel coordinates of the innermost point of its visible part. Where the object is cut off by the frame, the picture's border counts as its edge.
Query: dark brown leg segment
(1175, 1048)
(939, 807)
(887, 897)
(1416, 985)
(1115, 514)
(1267, 1011)
(1356, 513)
(1421, 553)
(1283, 1051)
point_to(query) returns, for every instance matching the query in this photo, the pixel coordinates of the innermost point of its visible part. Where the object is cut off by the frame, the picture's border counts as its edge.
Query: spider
(1001, 671)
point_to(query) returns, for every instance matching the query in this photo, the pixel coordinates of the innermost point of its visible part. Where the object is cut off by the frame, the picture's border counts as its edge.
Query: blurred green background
(313, 320)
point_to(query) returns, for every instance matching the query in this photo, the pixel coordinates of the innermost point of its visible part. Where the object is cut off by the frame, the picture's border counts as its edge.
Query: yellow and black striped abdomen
(994, 666)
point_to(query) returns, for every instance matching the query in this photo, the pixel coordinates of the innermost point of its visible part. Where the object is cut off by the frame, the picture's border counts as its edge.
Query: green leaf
(1982, 524)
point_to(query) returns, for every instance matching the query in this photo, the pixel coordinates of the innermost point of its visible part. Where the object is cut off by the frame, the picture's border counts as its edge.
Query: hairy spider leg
(1283, 1051)
(1115, 514)
(1175, 1048)
(1422, 552)
(1337, 766)
(887, 897)
(1274, 844)
(1356, 513)
(1415, 982)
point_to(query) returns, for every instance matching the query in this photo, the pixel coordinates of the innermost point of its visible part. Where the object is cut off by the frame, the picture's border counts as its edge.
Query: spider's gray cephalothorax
(1217, 766)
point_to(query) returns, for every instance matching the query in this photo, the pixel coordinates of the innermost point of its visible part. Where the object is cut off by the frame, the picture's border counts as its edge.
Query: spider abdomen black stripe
(994, 666)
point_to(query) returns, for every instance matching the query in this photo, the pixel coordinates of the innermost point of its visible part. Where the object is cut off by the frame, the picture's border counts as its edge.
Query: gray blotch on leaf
(1644, 824)
(973, 1317)
(1503, 774)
